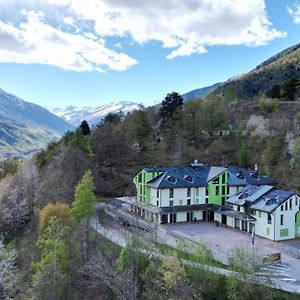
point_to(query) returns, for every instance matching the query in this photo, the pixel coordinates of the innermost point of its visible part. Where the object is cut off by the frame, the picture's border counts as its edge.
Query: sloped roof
(202, 174)
(264, 198)
(157, 169)
(239, 176)
(178, 178)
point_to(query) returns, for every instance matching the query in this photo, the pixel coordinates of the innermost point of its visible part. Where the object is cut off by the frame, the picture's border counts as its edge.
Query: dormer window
(254, 175)
(171, 179)
(188, 178)
(240, 176)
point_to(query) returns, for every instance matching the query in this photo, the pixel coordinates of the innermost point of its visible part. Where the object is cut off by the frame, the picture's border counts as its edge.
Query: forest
(49, 251)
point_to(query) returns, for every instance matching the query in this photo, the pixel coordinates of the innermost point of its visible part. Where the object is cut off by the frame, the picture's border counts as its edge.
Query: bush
(268, 106)
(59, 210)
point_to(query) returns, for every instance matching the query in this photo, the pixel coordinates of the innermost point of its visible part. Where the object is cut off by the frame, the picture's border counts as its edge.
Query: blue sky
(60, 53)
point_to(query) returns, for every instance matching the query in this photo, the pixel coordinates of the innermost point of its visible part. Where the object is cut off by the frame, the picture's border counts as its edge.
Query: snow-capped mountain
(75, 115)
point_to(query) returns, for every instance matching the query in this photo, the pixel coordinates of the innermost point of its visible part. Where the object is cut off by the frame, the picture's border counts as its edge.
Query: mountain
(194, 94)
(26, 127)
(75, 115)
(276, 71)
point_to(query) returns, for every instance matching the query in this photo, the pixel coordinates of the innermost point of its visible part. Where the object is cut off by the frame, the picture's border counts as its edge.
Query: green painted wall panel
(217, 188)
(297, 224)
(142, 191)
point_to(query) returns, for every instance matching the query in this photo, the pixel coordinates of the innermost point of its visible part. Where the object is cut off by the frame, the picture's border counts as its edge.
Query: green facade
(142, 191)
(218, 189)
(297, 224)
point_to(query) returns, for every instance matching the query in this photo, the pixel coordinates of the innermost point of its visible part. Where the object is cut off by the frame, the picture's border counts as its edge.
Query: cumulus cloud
(71, 33)
(294, 12)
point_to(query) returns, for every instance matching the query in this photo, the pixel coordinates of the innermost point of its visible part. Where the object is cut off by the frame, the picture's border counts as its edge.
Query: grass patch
(102, 244)
(202, 258)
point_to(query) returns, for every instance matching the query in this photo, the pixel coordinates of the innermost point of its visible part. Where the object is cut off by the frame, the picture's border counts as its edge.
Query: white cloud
(294, 12)
(35, 41)
(185, 27)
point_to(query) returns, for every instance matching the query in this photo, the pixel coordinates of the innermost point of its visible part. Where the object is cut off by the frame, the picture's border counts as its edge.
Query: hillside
(74, 115)
(197, 93)
(276, 71)
(26, 127)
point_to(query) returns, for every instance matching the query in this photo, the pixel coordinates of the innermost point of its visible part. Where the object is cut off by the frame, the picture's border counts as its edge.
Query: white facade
(278, 225)
(179, 196)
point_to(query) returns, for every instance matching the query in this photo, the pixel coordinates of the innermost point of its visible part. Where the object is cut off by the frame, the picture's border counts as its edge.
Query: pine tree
(169, 106)
(85, 128)
(84, 198)
(83, 207)
(275, 91)
(244, 159)
(51, 271)
(290, 89)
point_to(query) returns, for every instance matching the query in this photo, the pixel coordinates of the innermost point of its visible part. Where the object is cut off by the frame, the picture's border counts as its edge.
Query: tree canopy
(84, 198)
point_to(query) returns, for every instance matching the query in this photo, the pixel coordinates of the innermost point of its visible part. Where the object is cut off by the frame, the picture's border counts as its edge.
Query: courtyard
(226, 239)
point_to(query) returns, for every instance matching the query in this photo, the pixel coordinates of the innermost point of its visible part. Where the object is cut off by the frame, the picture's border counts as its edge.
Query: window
(259, 214)
(188, 192)
(171, 193)
(286, 206)
(188, 201)
(197, 201)
(223, 200)
(171, 203)
(281, 219)
(223, 178)
(197, 192)
(284, 232)
(157, 194)
(171, 179)
(253, 212)
(206, 200)
(223, 190)
(217, 190)
(180, 202)
(291, 204)
(157, 203)
(227, 189)
(216, 181)
(206, 191)
(268, 231)
(238, 208)
(269, 219)
(281, 208)
(140, 179)
(296, 201)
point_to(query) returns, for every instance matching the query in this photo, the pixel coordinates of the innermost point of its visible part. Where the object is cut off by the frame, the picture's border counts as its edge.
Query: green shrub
(268, 105)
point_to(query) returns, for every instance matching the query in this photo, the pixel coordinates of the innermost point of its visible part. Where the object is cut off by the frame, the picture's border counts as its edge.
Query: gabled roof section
(215, 172)
(264, 198)
(177, 178)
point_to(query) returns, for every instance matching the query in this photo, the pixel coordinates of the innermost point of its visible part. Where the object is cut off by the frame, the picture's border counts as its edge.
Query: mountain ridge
(275, 71)
(93, 114)
(26, 127)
